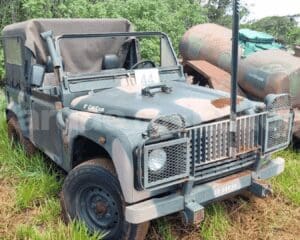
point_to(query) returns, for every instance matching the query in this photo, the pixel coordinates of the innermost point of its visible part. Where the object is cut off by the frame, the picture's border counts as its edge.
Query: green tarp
(252, 41)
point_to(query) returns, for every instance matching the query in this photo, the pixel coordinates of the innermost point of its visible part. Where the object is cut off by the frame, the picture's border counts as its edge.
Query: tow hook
(260, 189)
(193, 213)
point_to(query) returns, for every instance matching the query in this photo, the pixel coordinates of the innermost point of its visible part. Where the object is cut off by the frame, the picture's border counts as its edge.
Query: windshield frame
(161, 35)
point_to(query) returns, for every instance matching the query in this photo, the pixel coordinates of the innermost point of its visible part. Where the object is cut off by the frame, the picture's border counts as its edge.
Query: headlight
(275, 102)
(163, 125)
(278, 122)
(157, 160)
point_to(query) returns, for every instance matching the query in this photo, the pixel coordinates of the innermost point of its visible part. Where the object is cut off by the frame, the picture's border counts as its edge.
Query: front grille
(176, 167)
(203, 152)
(210, 142)
(221, 168)
(278, 131)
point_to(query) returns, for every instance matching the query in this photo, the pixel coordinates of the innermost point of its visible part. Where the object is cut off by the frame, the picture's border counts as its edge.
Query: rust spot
(223, 102)
(102, 140)
(58, 105)
(244, 149)
(215, 76)
(232, 177)
(101, 208)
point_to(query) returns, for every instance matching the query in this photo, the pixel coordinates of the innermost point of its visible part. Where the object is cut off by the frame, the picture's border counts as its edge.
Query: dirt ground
(250, 218)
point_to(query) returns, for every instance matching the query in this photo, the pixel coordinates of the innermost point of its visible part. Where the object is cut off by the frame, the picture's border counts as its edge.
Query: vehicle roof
(30, 30)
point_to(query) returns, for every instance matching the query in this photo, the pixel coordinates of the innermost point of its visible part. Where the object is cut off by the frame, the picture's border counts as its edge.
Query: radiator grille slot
(210, 143)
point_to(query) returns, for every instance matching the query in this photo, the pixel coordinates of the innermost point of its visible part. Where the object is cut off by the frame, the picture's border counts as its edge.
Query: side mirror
(37, 75)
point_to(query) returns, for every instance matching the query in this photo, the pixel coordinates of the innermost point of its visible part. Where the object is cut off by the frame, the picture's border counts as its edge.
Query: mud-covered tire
(91, 192)
(16, 137)
(295, 143)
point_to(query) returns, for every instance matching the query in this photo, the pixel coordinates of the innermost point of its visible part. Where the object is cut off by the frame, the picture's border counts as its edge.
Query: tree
(220, 11)
(294, 36)
(284, 29)
(171, 16)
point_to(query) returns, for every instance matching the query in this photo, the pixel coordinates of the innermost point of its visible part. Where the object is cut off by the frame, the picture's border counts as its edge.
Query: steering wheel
(143, 64)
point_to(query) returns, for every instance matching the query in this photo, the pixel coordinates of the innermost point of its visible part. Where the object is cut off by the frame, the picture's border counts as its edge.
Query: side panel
(16, 65)
(44, 130)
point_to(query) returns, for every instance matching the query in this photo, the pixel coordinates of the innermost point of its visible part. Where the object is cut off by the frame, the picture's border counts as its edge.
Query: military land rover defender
(112, 108)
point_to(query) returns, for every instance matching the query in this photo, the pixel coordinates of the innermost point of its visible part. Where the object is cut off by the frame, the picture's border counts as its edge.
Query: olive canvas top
(71, 49)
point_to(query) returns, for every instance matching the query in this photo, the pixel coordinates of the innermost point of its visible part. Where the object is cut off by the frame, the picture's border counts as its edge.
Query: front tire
(92, 193)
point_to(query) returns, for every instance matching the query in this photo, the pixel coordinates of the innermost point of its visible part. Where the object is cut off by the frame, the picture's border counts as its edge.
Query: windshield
(94, 53)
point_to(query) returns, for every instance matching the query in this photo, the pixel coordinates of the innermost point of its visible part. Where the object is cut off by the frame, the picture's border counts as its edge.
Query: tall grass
(288, 183)
(36, 183)
(74, 231)
(216, 223)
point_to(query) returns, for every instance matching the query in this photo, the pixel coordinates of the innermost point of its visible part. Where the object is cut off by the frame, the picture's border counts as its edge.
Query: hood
(195, 104)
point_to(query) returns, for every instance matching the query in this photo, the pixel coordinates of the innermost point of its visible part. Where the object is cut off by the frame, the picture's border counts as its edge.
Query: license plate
(147, 77)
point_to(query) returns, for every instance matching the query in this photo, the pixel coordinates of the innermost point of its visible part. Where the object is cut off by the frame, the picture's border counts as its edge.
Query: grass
(29, 189)
(288, 183)
(30, 208)
(59, 231)
(216, 224)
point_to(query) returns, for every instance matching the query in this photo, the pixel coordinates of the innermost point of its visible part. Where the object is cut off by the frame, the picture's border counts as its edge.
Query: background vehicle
(265, 67)
(137, 141)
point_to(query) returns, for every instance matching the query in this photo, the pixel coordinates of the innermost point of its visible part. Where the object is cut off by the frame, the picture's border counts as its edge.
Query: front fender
(119, 144)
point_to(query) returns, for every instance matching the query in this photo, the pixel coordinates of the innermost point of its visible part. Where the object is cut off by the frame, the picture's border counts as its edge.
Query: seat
(111, 61)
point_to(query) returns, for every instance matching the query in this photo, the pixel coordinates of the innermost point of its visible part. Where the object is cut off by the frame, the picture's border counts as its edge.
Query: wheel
(91, 193)
(16, 137)
(295, 143)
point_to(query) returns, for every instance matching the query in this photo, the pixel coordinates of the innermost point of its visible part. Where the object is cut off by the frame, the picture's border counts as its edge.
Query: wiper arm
(151, 90)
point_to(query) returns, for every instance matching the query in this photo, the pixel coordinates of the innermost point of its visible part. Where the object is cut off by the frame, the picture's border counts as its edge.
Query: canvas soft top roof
(30, 30)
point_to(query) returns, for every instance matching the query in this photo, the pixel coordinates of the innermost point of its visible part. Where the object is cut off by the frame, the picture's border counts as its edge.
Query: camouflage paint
(187, 100)
(117, 118)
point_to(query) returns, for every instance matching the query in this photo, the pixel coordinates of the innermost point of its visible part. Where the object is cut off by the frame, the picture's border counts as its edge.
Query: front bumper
(191, 201)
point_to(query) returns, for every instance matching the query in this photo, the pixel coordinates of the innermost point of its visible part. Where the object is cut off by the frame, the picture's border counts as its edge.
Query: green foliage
(216, 223)
(172, 17)
(288, 182)
(2, 71)
(294, 36)
(284, 29)
(164, 229)
(37, 8)
(220, 11)
(35, 186)
(11, 11)
(49, 209)
(74, 231)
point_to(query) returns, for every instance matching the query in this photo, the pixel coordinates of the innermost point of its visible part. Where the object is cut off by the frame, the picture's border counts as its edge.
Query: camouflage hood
(195, 104)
